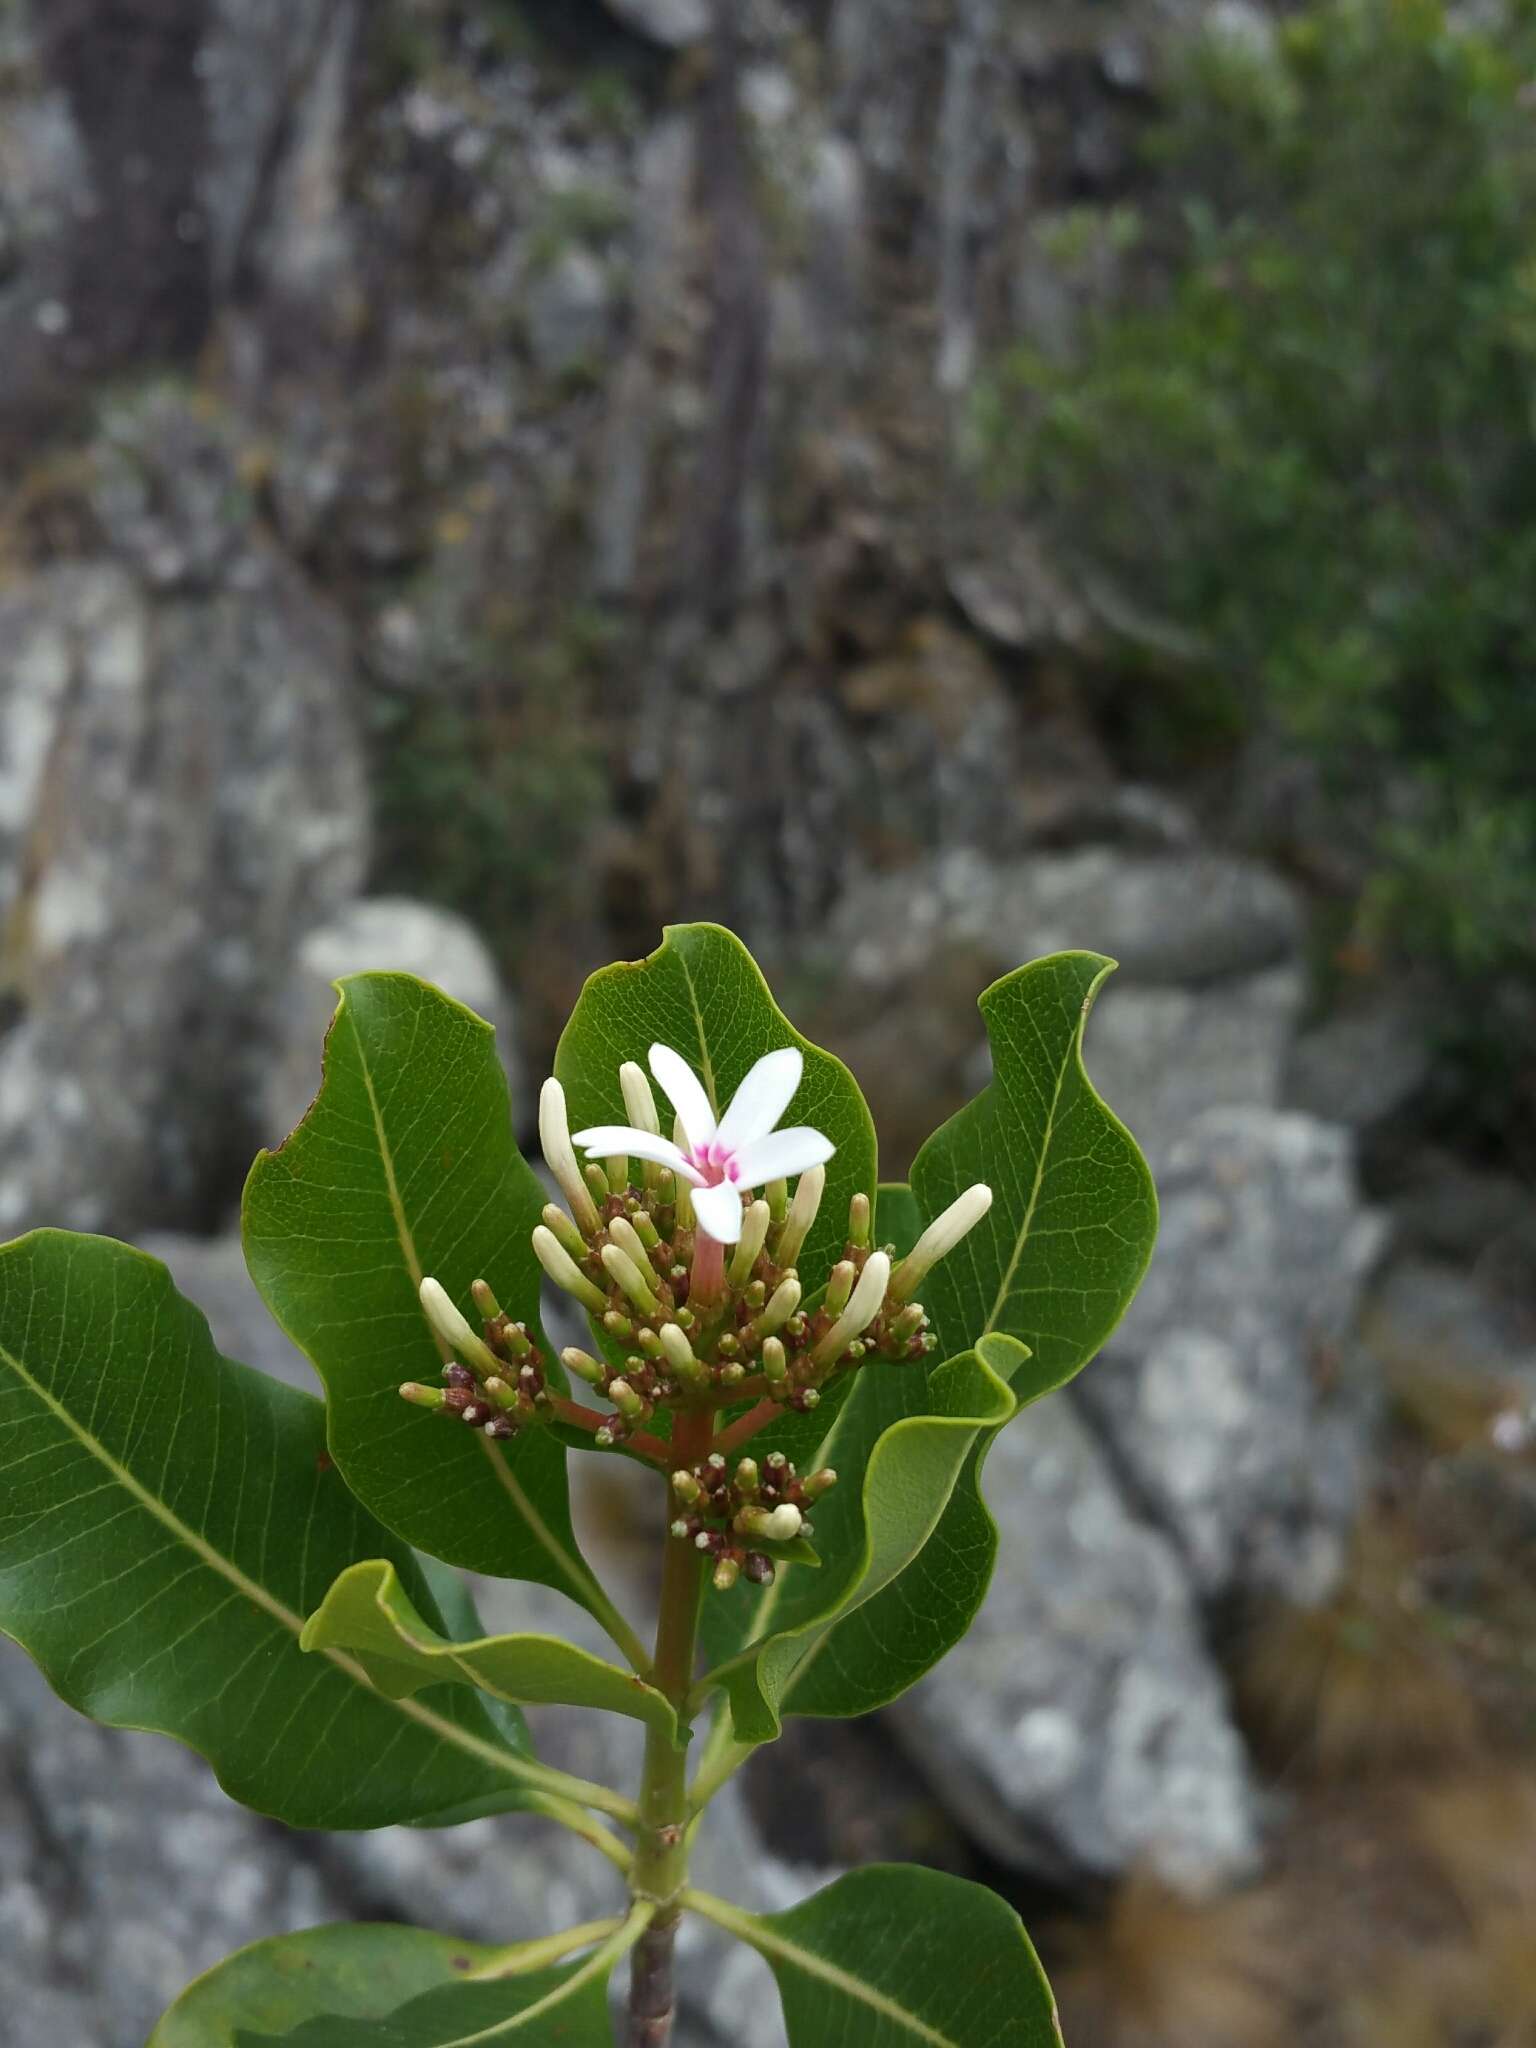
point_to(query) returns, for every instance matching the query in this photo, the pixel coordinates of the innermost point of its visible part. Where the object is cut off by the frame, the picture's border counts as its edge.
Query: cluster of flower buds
(740, 1518)
(495, 1381)
(706, 1319)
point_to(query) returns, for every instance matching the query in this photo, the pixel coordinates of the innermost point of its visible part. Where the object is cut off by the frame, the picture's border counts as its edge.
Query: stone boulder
(1082, 1728)
(392, 933)
(1227, 1396)
(181, 796)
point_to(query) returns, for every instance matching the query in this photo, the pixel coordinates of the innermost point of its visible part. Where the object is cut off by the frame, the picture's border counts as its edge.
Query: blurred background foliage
(1295, 452)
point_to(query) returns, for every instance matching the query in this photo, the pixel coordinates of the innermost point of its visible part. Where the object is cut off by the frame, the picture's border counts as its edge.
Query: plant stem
(746, 1426)
(661, 1854)
(521, 1956)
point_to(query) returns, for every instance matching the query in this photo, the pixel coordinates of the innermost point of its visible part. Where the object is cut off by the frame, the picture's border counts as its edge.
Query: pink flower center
(715, 1163)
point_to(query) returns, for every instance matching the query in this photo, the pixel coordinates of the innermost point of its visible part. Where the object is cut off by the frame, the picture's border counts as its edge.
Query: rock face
(1081, 1728)
(1228, 1394)
(181, 793)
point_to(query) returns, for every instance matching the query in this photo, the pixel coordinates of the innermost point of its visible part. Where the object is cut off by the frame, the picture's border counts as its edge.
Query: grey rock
(1361, 1066)
(181, 794)
(1161, 1057)
(393, 934)
(569, 310)
(211, 1271)
(1212, 1391)
(1425, 1316)
(1172, 918)
(1081, 1728)
(672, 23)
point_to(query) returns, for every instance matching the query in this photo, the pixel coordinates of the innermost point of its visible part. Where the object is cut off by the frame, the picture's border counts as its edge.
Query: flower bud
(726, 1573)
(625, 1399)
(597, 1181)
(775, 1364)
(839, 1286)
(776, 1195)
(782, 1303)
(747, 1478)
(583, 1365)
(423, 1397)
(560, 1155)
(485, 1302)
(769, 1525)
(759, 1568)
(639, 1102)
(454, 1331)
(818, 1483)
(686, 1487)
(679, 1355)
(802, 1214)
(939, 1239)
(863, 1307)
(624, 1234)
(563, 1229)
(629, 1279)
(563, 1270)
(860, 1216)
(754, 1235)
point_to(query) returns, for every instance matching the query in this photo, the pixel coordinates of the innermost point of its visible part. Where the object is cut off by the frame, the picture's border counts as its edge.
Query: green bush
(1300, 443)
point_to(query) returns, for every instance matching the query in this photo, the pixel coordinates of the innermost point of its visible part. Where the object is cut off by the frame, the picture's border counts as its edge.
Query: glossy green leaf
(893, 1484)
(404, 1166)
(702, 993)
(1074, 1213)
(370, 1613)
(363, 1972)
(560, 2007)
(894, 1956)
(167, 1520)
(1057, 1259)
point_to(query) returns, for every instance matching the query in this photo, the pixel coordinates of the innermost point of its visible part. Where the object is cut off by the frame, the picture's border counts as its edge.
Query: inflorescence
(694, 1317)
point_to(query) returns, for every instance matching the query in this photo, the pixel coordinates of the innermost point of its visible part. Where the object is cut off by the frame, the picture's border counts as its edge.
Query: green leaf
(702, 993)
(1073, 1220)
(893, 1483)
(405, 1166)
(167, 1519)
(370, 1613)
(361, 1973)
(509, 2002)
(894, 1956)
(1059, 1257)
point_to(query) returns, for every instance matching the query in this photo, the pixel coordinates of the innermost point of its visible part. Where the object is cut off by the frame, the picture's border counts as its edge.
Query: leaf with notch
(168, 1519)
(893, 1484)
(369, 1612)
(405, 1165)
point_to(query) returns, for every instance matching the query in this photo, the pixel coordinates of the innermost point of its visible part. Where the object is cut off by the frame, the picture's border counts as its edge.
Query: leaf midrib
(572, 1568)
(252, 1589)
(760, 1935)
(1021, 1239)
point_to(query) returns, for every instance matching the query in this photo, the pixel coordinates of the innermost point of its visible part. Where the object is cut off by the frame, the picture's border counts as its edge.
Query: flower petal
(781, 1155)
(718, 1209)
(604, 1141)
(685, 1092)
(761, 1099)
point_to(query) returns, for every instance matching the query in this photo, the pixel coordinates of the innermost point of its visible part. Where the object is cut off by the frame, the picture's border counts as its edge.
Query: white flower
(721, 1162)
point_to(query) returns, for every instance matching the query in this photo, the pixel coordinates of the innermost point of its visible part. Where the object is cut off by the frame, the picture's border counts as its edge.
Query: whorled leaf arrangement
(813, 1367)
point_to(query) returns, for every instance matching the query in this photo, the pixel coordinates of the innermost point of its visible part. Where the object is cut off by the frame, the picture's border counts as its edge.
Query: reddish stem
(748, 1425)
(588, 1419)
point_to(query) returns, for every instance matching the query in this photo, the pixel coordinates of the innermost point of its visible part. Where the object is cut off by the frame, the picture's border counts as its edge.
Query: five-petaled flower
(721, 1161)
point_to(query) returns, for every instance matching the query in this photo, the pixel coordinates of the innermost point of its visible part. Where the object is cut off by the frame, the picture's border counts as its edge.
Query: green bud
(422, 1397)
(583, 1365)
(629, 1279)
(860, 1218)
(564, 1230)
(686, 1487)
(775, 1363)
(625, 1399)
(776, 1194)
(486, 1302)
(596, 1180)
(563, 1270)
(726, 1573)
(819, 1483)
(618, 1326)
(840, 1286)
(747, 1478)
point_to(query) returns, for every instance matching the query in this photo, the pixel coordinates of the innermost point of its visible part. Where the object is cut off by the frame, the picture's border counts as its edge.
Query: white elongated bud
(564, 1271)
(802, 1214)
(556, 1220)
(782, 1303)
(627, 1276)
(863, 1307)
(683, 1196)
(679, 1354)
(754, 1235)
(454, 1331)
(939, 1239)
(624, 1234)
(639, 1102)
(560, 1155)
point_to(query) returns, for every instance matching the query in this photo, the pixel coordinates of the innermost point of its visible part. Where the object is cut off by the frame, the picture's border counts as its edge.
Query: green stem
(660, 1868)
(561, 1788)
(590, 1829)
(723, 1757)
(519, 1957)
